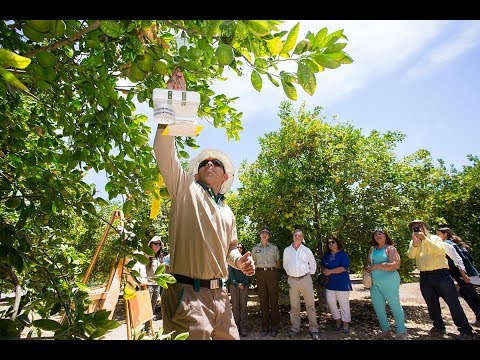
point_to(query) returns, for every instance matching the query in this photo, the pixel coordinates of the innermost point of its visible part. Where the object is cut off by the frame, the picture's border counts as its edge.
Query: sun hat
(215, 154)
(155, 239)
(410, 225)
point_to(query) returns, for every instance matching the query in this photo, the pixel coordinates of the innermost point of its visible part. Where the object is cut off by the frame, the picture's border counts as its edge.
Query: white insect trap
(178, 110)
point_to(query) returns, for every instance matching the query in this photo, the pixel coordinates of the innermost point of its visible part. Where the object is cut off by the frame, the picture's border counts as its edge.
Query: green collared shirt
(265, 256)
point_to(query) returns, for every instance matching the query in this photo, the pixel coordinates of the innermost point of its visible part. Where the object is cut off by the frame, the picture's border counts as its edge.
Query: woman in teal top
(383, 263)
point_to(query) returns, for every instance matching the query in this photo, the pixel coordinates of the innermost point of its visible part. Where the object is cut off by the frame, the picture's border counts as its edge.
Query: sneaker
(437, 331)
(314, 336)
(401, 336)
(273, 333)
(385, 334)
(264, 333)
(464, 336)
(292, 334)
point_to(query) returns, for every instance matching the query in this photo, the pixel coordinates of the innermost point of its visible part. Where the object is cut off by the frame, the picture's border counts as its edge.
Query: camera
(416, 229)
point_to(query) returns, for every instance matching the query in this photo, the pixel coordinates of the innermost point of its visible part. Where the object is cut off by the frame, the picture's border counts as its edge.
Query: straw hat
(215, 154)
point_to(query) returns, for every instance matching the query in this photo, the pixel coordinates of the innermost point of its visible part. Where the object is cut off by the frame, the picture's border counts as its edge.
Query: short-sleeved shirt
(265, 256)
(341, 281)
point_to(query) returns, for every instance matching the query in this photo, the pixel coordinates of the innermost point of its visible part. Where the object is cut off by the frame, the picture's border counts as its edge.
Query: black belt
(210, 284)
(266, 268)
(299, 277)
(433, 271)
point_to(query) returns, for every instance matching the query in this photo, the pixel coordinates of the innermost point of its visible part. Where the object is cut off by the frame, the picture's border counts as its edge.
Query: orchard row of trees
(67, 91)
(328, 178)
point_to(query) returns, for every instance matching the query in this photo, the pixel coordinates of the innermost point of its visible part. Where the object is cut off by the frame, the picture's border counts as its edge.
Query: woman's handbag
(367, 279)
(322, 279)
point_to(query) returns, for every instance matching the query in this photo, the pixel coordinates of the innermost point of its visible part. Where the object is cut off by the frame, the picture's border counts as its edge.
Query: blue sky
(420, 77)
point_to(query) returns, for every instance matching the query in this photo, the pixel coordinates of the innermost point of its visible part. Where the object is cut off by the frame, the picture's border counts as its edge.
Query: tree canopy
(67, 105)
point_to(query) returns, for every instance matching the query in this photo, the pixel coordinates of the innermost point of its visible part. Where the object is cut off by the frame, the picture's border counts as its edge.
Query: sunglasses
(215, 162)
(331, 242)
(157, 244)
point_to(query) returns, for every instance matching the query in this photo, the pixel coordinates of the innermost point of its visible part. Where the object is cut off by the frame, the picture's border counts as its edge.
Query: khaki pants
(304, 286)
(205, 315)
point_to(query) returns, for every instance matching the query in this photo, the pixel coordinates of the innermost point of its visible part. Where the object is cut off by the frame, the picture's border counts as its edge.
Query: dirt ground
(364, 325)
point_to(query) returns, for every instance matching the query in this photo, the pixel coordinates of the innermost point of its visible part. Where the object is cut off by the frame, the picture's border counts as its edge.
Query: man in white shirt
(300, 265)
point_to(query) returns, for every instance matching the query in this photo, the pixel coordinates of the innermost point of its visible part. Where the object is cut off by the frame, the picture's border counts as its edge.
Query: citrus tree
(67, 92)
(328, 178)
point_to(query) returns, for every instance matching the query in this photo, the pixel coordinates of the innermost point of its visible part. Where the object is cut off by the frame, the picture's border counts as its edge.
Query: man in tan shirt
(203, 239)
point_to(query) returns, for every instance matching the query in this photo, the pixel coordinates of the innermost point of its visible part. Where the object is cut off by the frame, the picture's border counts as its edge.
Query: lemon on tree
(224, 54)
(145, 62)
(37, 30)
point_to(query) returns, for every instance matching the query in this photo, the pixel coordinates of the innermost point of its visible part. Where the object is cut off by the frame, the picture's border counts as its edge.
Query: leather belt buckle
(214, 284)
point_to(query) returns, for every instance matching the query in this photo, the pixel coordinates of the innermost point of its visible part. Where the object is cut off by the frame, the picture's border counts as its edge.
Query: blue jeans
(438, 284)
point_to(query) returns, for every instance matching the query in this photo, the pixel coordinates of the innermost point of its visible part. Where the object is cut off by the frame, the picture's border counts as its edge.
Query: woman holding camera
(383, 263)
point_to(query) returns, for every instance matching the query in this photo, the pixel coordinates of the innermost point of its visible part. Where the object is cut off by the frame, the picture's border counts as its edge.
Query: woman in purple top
(335, 264)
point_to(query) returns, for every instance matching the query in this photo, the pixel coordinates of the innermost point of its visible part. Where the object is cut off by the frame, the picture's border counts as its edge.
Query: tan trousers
(205, 315)
(304, 286)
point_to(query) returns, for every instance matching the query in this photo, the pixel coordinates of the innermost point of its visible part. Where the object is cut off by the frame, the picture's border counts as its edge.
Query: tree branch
(69, 40)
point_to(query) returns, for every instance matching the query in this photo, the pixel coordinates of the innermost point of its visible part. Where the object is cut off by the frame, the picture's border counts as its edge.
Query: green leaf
(313, 65)
(111, 28)
(301, 47)
(47, 324)
(9, 329)
(291, 38)
(256, 80)
(334, 48)
(182, 336)
(326, 61)
(306, 78)
(346, 60)
(332, 38)
(319, 37)
(82, 286)
(213, 27)
(275, 46)
(258, 27)
(11, 79)
(9, 58)
(288, 77)
(289, 90)
(183, 154)
(127, 207)
(272, 80)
